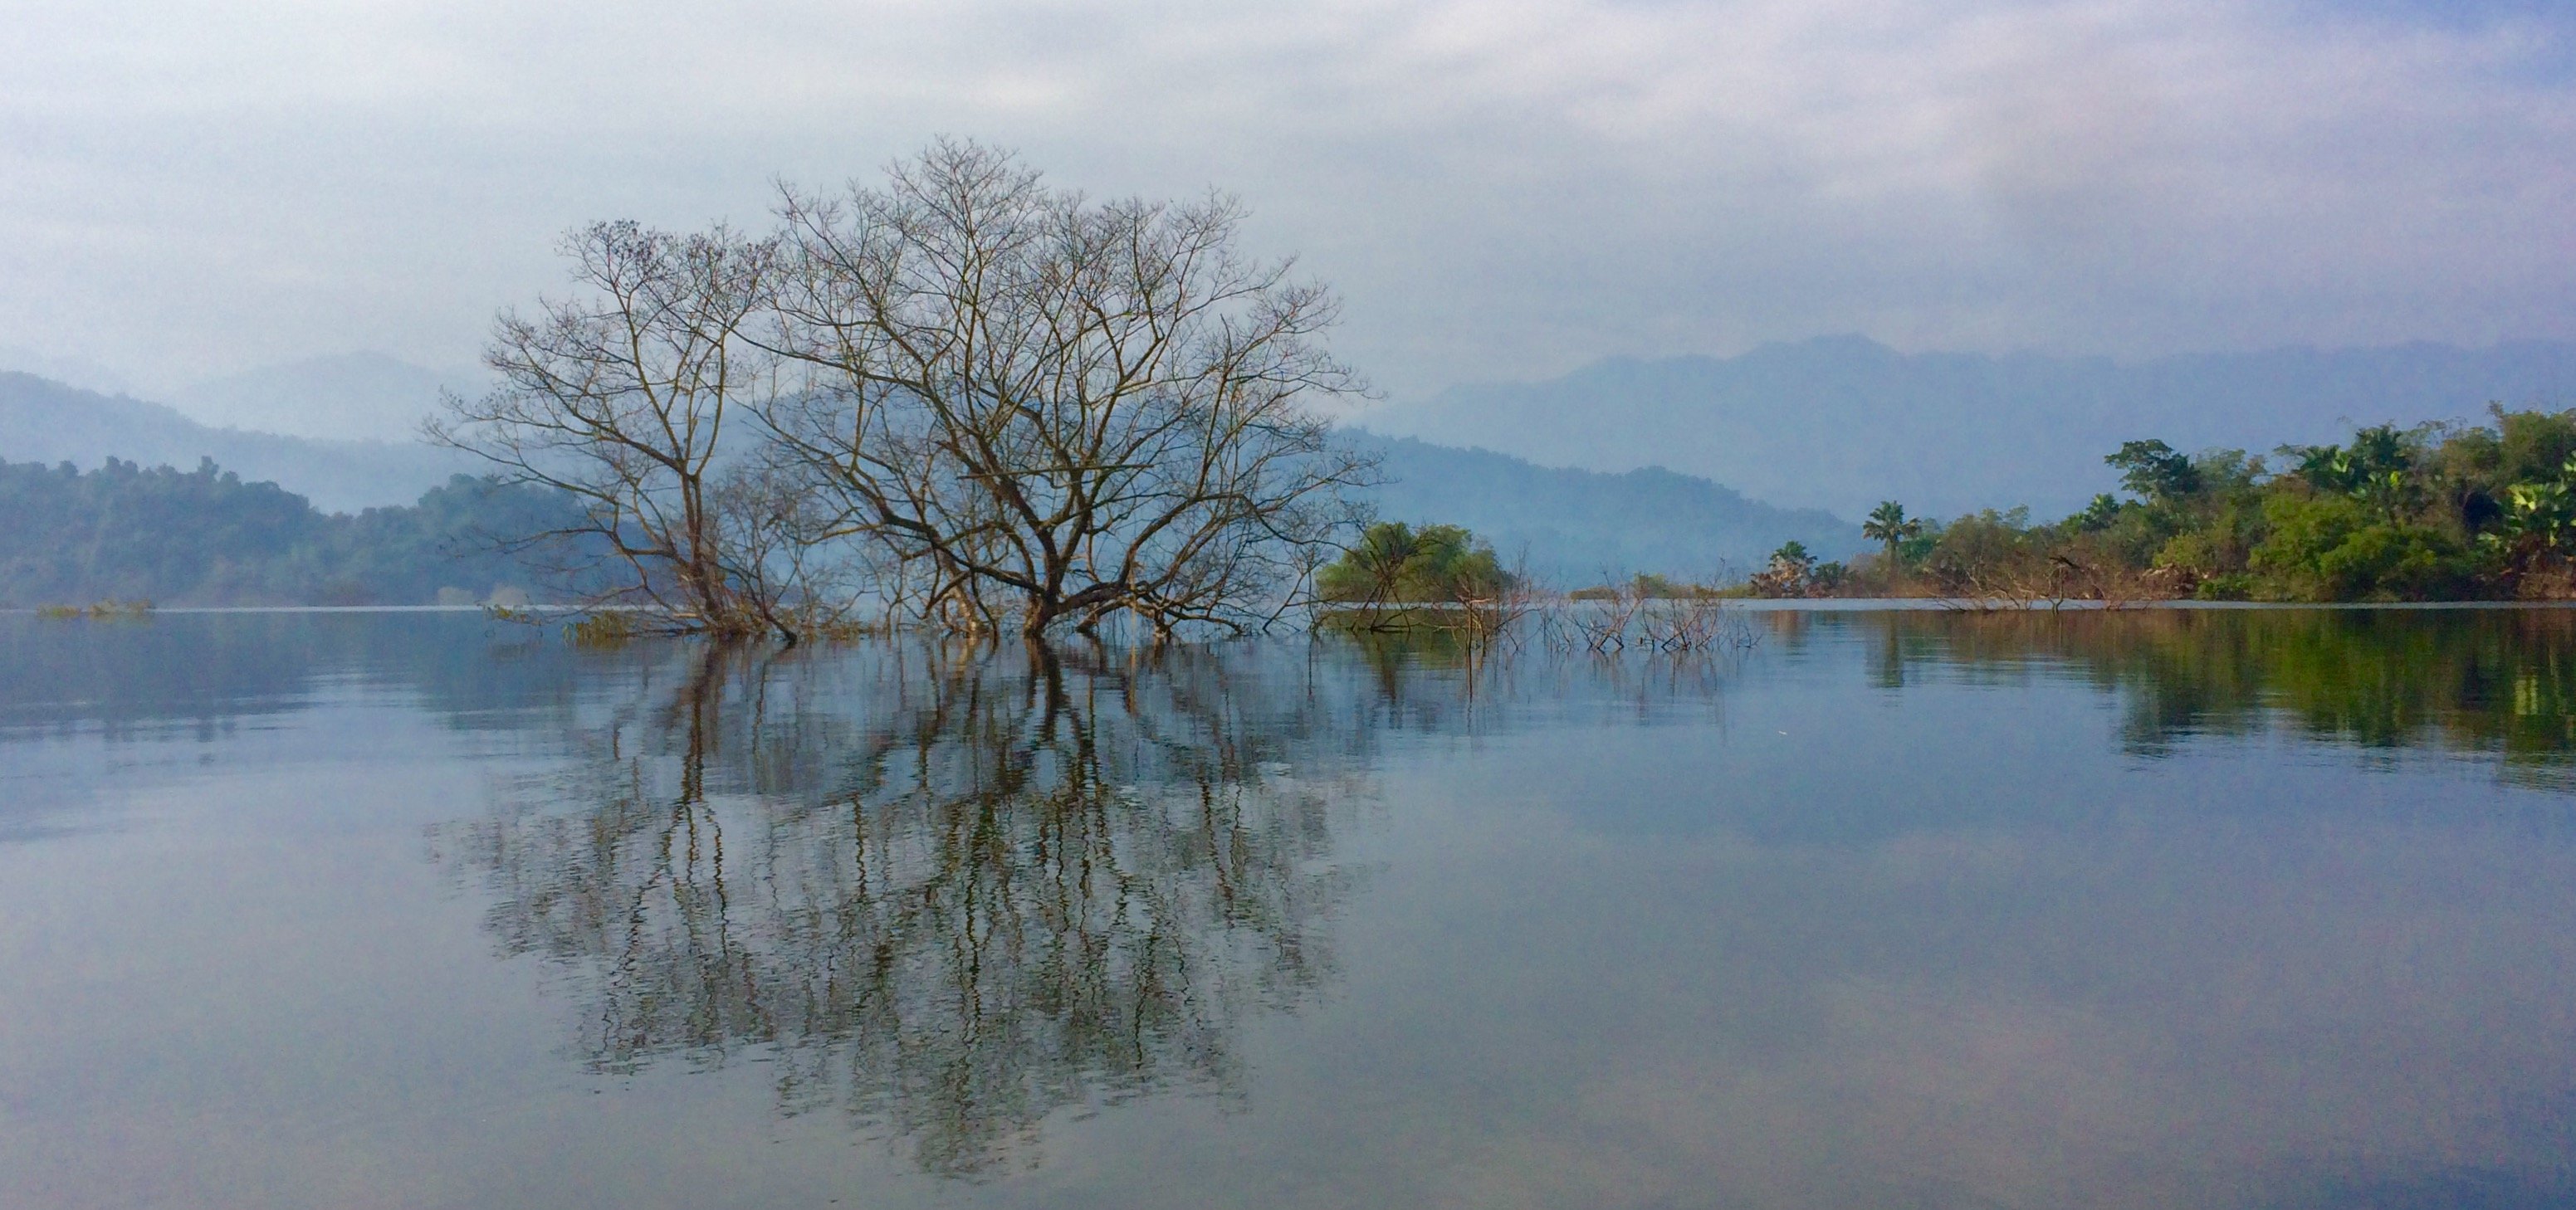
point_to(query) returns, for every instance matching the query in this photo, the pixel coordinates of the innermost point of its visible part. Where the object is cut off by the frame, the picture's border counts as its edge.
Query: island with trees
(2438, 512)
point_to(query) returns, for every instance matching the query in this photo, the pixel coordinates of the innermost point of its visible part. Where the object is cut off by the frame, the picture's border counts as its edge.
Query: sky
(1500, 190)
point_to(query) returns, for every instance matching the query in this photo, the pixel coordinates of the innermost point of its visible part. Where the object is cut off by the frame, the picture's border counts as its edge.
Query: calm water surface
(2156, 909)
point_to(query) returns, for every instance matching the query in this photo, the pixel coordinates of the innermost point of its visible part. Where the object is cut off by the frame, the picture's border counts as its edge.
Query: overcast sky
(1500, 190)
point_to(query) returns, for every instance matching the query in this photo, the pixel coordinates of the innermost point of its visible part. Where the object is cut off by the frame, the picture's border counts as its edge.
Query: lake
(2155, 908)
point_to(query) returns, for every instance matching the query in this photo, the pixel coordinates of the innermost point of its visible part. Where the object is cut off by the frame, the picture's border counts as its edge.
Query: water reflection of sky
(1926, 910)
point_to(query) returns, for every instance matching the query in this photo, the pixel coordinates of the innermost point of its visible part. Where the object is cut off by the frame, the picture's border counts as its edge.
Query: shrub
(2333, 548)
(1394, 563)
(2230, 586)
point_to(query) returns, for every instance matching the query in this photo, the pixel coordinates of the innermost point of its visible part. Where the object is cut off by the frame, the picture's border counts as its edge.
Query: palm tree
(1888, 523)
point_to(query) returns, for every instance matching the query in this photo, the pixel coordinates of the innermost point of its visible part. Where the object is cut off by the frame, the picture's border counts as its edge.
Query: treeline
(206, 537)
(2443, 511)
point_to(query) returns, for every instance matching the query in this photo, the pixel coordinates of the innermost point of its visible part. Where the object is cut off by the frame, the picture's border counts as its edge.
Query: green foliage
(2153, 471)
(1394, 563)
(2225, 586)
(2531, 446)
(1985, 552)
(2098, 515)
(1889, 525)
(2374, 468)
(1789, 574)
(2545, 510)
(607, 628)
(2437, 512)
(206, 537)
(2338, 548)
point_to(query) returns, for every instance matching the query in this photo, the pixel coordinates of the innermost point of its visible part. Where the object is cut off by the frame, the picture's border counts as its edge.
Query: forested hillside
(208, 537)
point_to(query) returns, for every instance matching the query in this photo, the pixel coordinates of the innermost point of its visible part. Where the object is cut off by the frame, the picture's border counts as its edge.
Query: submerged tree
(635, 397)
(1009, 405)
(1046, 409)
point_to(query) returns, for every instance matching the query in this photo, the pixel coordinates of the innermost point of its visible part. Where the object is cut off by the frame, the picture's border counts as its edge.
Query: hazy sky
(1500, 190)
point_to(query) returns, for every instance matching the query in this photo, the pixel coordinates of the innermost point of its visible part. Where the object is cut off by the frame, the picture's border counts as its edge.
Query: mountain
(1578, 527)
(75, 371)
(350, 397)
(45, 421)
(1570, 525)
(1841, 423)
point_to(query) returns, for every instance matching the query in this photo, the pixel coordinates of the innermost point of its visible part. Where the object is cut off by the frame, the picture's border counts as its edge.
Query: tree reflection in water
(953, 894)
(949, 894)
(2497, 681)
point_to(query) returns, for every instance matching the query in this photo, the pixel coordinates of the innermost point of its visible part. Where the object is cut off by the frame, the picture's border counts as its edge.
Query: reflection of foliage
(953, 901)
(2501, 681)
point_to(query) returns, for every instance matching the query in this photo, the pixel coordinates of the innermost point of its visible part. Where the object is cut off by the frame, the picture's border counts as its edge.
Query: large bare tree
(639, 395)
(1049, 410)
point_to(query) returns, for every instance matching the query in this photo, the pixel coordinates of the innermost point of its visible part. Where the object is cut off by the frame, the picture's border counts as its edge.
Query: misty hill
(1574, 525)
(1843, 422)
(48, 422)
(76, 371)
(349, 397)
(1570, 524)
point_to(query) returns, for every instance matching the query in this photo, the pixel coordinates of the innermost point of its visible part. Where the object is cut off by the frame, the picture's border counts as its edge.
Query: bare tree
(1048, 410)
(639, 397)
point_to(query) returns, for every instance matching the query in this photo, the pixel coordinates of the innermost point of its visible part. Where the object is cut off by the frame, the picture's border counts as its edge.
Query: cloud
(1501, 189)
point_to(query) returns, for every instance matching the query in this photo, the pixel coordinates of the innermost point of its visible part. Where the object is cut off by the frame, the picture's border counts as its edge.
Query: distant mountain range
(1841, 423)
(1569, 526)
(72, 371)
(1575, 527)
(1798, 434)
(349, 397)
(46, 421)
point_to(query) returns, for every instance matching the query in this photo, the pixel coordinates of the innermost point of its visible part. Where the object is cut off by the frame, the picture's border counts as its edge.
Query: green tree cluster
(1394, 563)
(2435, 512)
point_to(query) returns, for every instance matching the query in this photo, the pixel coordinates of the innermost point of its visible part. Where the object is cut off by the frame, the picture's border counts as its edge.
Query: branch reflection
(950, 895)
